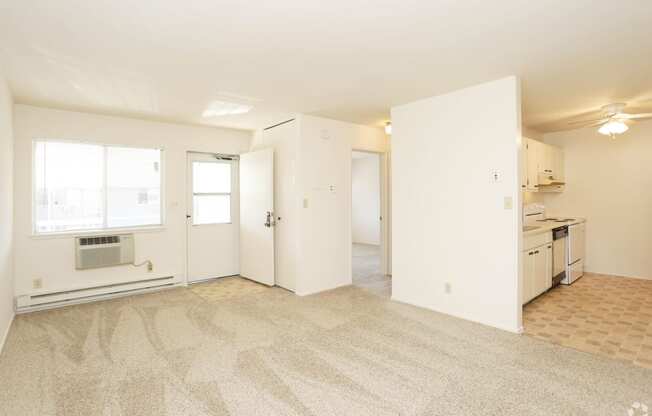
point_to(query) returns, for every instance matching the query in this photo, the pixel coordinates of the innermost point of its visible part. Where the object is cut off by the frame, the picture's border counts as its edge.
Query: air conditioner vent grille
(99, 240)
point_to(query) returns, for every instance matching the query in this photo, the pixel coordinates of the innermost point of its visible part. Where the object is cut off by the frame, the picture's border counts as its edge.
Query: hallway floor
(367, 271)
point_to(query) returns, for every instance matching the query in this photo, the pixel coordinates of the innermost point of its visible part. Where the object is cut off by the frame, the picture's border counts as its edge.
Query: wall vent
(103, 251)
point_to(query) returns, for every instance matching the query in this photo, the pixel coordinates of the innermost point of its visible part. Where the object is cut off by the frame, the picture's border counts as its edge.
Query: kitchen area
(553, 247)
(596, 312)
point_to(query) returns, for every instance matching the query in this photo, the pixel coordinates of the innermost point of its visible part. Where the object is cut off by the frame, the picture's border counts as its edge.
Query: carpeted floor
(367, 272)
(269, 352)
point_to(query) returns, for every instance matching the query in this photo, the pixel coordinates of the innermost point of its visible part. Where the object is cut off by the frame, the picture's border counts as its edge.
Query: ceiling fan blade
(597, 120)
(597, 123)
(625, 116)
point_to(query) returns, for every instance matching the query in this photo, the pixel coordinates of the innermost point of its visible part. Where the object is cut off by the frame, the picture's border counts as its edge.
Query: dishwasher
(559, 254)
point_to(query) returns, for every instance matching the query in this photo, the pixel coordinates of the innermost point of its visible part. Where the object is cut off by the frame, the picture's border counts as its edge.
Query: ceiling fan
(613, 120)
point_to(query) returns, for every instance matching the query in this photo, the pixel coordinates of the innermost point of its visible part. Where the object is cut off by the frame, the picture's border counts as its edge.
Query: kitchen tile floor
(605, 315)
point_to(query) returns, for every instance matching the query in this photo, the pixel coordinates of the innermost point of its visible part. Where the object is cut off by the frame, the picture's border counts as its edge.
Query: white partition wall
(456, 222)
(6, 210)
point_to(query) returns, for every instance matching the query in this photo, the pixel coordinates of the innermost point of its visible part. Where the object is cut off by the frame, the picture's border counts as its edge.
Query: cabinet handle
(549, 246)
(530, 253)
(536, 252)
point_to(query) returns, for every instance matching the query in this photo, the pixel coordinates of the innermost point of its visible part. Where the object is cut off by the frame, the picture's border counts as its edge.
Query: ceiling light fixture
(388, 127)
(224, 108)
(613, 128)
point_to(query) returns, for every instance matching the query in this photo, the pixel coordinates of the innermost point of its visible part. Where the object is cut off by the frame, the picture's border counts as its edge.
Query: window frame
(230, 194)
(105, 229)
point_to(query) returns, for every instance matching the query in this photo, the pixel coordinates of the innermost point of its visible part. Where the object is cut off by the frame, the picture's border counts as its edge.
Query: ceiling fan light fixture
(613, 127)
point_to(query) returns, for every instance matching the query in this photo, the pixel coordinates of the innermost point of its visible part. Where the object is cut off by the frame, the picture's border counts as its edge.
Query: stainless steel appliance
(559, 254)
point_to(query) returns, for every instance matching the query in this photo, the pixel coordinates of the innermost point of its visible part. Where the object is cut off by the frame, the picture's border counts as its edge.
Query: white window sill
(112, 231)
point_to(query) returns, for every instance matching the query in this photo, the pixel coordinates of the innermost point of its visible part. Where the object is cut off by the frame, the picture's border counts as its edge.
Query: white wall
(52, 258)
(450, 224)
(322, 179)
(610, 183)
(365, 188)
(6, 210)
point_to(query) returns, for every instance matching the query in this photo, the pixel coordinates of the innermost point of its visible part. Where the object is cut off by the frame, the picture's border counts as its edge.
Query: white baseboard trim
(590, 272)
(514, 330)
(314, 292)
(3, 340)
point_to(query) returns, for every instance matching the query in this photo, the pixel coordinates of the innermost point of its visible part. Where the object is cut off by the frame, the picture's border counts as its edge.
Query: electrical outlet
(37, 283)
(150, 266)
(447, 288)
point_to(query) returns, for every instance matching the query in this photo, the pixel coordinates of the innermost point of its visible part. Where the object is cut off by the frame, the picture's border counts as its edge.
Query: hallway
(367, 270)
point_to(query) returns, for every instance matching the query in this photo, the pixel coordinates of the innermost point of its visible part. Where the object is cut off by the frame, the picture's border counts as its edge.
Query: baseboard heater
(28, 303)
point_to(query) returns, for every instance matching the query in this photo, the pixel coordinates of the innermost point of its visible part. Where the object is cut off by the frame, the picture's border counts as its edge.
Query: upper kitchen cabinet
(543, 169)
(532, 156)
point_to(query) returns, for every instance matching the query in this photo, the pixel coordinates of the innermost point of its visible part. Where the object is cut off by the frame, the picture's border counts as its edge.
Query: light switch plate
(508, 202)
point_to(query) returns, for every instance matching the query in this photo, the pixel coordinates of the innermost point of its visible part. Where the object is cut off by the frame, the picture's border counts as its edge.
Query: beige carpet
(344, 352)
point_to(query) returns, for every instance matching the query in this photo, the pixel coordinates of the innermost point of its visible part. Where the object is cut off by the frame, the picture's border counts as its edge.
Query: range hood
(547, 179)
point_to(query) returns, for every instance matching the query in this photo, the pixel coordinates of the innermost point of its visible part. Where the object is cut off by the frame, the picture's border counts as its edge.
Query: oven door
(559, 257)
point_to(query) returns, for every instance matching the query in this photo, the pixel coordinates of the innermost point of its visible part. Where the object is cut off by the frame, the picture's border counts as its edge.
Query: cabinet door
(532, 182)
(542, 269)
(545, 158)
(546, 277)
(529, 276)
(523, 161)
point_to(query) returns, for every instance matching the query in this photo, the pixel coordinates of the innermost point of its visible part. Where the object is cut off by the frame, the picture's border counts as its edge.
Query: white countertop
(545, 226)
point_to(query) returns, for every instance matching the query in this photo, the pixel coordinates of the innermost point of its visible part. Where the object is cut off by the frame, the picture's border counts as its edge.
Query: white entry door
(213, 217)
(257, 216)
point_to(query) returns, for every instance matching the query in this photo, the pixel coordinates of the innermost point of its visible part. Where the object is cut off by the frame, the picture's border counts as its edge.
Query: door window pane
(68, 180)
(133, 186)
(211, 177)
(211, 209)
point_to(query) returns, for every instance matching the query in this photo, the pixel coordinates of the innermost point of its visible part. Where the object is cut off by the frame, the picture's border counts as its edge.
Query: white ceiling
(345, 59)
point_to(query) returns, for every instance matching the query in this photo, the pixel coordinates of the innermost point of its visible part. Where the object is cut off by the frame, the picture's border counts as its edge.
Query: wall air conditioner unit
(92, 252)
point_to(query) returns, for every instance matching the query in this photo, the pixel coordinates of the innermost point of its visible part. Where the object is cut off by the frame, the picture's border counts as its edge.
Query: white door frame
(385, 210)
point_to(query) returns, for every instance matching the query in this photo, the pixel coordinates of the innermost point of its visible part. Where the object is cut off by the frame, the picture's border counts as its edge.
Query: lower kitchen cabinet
(537, 271)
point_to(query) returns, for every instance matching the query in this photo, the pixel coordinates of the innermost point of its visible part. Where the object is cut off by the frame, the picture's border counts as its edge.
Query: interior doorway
(369, 223)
